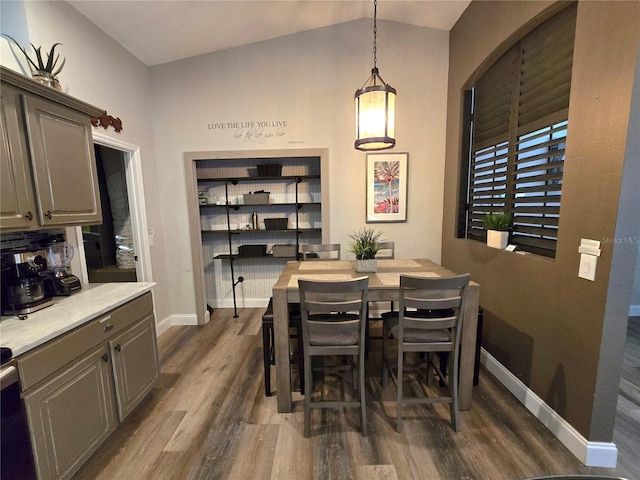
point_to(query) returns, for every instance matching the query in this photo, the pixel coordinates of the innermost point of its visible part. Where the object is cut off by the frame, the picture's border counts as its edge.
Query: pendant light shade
(375, 107)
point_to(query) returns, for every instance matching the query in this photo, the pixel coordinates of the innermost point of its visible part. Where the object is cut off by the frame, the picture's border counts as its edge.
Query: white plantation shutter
(519, 127)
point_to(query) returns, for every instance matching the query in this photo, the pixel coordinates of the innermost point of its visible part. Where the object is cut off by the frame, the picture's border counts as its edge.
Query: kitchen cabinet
(78, 387)
(71, 414)
(135, 364)
(48, 166)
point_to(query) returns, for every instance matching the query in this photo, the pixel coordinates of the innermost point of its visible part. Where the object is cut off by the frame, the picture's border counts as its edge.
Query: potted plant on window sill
(364, 244)
(497, 226)
(41, 71)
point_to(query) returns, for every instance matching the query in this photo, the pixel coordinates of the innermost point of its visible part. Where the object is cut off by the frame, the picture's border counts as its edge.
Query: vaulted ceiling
(158, 32)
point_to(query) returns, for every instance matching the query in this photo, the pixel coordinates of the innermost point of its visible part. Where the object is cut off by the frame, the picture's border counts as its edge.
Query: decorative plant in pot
(364, 244)
(41, 71)
(497, 226)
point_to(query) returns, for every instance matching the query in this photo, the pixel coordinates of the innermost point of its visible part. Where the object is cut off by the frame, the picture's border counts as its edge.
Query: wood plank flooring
(626, 434)
(208, 418)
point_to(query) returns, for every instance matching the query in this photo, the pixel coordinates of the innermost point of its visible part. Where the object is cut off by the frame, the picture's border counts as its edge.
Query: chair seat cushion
(341, 338)
(418, 335)
(345, 332)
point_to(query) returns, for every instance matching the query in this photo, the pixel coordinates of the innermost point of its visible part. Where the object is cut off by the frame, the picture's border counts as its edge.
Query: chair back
(387, 250)
(333, 312)
(432, 304)
(326, 251)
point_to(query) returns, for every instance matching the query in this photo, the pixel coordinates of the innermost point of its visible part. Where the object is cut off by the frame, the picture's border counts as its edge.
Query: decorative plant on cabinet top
(41, 71)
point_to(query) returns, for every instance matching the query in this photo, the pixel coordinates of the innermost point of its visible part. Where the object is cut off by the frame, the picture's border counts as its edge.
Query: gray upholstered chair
(429, 320)
(268, 343)
(314, 251)
(387, 251)
(333, 318)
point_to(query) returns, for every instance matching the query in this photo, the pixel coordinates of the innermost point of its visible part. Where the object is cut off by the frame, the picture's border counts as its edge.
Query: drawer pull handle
(29, 216)
(117, 348)
(108, 317)
(108, 327)
(48, 214)
(105, 357)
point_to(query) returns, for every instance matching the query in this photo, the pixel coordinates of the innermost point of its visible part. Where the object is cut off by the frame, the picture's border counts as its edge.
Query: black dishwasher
(16, 457)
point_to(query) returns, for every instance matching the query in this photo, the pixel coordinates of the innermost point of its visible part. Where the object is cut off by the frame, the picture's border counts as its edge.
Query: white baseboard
(634, 310)
(592, 454)
(171, 320)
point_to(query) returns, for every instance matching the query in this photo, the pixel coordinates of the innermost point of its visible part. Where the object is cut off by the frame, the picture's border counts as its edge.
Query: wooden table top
(387, 276)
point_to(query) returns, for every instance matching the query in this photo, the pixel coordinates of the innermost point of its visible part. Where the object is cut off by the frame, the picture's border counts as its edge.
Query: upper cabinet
(48, 165)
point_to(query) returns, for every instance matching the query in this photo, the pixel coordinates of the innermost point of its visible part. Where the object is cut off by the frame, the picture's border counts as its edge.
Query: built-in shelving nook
(237, 256)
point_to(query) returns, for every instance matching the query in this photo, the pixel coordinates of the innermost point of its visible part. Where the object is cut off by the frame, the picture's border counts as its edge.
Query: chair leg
(308, 388)
(399, 397)
(453, 391)
(301, 359)
(363, 396)
(266, 348)
(366, 336)
(430, 369)
(385, 373)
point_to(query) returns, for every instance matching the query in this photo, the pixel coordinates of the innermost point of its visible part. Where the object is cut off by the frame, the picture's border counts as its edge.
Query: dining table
(384, 285)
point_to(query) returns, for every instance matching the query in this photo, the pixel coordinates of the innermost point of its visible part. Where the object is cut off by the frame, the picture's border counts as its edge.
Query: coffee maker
(59, 281)
(22, 285)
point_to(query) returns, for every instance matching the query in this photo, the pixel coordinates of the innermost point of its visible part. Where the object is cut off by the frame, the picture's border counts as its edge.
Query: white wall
(307, 80)
(100, 72)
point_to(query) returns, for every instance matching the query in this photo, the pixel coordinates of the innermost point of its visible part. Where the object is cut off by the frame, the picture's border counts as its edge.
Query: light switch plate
(587, 268)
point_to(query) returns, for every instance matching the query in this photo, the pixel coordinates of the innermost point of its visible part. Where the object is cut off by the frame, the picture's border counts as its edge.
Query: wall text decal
(252, 131)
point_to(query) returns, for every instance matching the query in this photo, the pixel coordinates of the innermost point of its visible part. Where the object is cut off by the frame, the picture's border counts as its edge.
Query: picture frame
(387, 177)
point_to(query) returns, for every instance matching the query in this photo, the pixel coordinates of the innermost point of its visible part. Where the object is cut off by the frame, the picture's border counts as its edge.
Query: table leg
(281, 334)
(468, 347)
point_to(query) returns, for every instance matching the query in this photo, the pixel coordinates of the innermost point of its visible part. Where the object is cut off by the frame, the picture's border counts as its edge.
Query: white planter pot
(497, 239)
(367, 266)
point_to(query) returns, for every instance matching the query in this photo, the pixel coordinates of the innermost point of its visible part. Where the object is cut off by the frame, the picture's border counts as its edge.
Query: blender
(60, 281)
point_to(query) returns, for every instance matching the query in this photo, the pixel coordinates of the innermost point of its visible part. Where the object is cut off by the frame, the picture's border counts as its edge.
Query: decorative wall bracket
(105, 120)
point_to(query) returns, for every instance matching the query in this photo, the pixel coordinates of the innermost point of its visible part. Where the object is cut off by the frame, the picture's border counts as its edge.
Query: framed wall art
(387, 187)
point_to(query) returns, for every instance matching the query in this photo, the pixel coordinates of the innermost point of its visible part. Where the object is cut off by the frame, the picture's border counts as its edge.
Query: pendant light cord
(375, 33)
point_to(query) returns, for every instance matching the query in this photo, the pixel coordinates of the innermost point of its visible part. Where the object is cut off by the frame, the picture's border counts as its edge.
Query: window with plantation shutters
(518, 122)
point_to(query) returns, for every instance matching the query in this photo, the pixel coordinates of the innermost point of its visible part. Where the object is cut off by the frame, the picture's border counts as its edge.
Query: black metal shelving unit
(297, 205)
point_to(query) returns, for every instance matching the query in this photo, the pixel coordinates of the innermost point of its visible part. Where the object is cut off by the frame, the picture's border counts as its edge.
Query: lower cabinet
(135, 365)
(71, 414)
(73, 410)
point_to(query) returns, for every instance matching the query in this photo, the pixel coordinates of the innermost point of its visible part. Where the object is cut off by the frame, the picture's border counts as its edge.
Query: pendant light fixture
(375, 107)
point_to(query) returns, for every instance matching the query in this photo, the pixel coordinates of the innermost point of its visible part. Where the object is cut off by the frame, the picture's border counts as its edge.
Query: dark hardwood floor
(208, 418)
(626, 434)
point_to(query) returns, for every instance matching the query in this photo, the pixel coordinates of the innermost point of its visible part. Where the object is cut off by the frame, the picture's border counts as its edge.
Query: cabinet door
(71, 414)
(17, 207)
(135, 364)
(63, 163)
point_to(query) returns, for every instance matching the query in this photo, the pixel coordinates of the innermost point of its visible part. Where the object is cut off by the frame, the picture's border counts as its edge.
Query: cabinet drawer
(35, 366)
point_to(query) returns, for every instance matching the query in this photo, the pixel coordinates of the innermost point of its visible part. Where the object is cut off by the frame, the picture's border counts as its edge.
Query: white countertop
(66, 314)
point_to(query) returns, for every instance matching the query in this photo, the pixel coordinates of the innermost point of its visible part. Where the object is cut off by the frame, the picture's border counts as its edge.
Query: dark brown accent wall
(542, 322)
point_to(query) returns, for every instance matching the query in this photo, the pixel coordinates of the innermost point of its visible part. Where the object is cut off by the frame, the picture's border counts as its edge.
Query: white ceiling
(161, 31)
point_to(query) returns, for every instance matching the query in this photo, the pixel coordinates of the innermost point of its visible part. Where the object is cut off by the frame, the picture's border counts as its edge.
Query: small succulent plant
(38, 64)
(500, 221)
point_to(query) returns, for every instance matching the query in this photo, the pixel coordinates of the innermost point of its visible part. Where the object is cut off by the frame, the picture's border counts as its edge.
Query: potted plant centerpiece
(497, 226)
(41, 71)
(364, 244)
